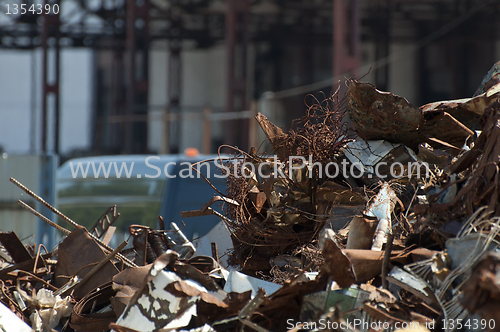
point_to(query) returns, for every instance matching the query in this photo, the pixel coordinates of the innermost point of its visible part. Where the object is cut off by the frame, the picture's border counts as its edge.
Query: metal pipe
(55, 87)
(43, 41)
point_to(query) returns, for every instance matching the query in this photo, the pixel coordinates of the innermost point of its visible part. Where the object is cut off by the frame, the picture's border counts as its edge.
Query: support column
(382, 45)
(50, 76)
(345, 50)
(174, 83)
(174, 94)
(237, 39)
(137, 55)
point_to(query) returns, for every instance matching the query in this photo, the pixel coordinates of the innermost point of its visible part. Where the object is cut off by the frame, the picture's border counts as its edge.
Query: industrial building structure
(168, 74)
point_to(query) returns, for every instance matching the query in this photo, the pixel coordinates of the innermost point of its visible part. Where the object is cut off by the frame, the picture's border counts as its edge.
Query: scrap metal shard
(337, 264)
(482, 291)
(412, 283)
(83, 319)
(275, 135)
(468, 110)
(481, 164)
(382, 115)
(76, 255)
(14, 247)
(361, 232)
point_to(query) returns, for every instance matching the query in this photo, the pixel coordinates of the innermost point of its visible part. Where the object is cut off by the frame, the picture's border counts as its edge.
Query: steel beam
(50, 33)
(237, 39)
(345, 50)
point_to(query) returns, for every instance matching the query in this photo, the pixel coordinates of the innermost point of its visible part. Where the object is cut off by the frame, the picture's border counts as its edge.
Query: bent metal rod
(69, 221)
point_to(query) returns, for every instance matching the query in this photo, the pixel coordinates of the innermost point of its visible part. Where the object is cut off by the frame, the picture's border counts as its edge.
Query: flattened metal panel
(15, 247)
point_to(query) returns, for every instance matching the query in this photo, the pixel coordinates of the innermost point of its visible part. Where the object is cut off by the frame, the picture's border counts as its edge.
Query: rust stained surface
(126, 284)
(482, 291)
(382, 115)
(446, 128)
(468, 110)
(210, 312)
(337, 264)
(483, 185)
(275, 135)
(82, 320)
(77, 253)
(14, 247)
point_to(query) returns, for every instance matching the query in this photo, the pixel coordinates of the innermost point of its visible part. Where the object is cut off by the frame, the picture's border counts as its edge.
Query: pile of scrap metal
(428, 167)
(405, 235)
(414, 182)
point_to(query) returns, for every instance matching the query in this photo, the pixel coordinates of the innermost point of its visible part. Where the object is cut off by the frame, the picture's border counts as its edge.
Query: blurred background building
(158, 76)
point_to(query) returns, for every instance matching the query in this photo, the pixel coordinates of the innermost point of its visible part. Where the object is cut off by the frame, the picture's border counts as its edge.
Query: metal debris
(482, 291)
(295, 243)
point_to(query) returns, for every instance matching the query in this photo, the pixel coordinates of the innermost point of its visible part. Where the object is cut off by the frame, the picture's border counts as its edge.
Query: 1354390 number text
(22, 9)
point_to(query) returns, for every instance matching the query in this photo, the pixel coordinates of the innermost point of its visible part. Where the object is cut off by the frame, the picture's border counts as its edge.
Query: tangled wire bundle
(321, 133)
(288, 217)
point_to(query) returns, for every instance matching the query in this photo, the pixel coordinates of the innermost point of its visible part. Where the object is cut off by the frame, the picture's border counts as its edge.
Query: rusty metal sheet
(337, 264)
(367, 264)
(14, 247)
(84, 316)
(77, 255)
(467, 111)
(126, 284)
(448, 129)
(382, 115)
(481, 293)
(428, 154)
(361, 231)
(275, 135)
(208, 312)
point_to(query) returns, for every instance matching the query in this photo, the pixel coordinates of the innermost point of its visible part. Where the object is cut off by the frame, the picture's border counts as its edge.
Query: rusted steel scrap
(482, 290)
(309, 251)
